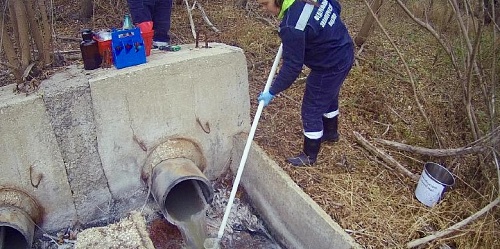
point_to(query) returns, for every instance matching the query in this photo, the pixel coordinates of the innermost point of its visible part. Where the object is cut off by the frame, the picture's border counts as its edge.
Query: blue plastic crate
(128, 48)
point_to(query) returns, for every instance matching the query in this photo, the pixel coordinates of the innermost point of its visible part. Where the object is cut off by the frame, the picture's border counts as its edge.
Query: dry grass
(368, 199)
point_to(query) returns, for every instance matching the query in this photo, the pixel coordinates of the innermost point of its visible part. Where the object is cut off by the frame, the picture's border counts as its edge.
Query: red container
(148, 41)
(105, 50)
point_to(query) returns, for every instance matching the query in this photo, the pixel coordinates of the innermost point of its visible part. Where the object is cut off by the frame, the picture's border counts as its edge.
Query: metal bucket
(433, 183)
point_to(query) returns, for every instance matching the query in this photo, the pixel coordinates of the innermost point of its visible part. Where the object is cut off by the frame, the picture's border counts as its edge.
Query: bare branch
(478, 146)
(453, 228)
(436, 35)
(205, 18)
(191, 22)
(386, 158)
(413, 85)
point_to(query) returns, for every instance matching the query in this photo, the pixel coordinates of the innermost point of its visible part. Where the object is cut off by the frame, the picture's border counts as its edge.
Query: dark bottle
(90, 51)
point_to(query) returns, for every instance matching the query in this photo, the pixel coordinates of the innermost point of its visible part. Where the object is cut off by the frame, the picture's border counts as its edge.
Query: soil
(367, 196)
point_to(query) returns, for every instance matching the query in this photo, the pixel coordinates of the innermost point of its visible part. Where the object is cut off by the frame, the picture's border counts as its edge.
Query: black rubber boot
(308, 157)
(330, 126)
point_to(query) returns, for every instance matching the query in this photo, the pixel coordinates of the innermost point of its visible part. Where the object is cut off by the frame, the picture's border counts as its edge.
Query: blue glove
(266, 96)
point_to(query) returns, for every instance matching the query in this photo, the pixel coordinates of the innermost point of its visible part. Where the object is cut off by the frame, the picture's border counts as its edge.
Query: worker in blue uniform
(312, 34)
(153, 15)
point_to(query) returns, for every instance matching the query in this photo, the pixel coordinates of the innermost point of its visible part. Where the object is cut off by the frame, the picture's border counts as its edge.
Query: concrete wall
(79, 144)
(295, 220)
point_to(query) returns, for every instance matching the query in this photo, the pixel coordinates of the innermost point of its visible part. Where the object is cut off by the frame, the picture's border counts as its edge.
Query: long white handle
(249, 142)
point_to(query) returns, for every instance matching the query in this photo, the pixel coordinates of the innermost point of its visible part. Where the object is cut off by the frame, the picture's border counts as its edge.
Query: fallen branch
(478, 146)
(442, 233)
(431, 152)
(386, 158)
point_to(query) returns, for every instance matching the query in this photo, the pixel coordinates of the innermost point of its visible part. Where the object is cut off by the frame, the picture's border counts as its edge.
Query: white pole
(249, 142)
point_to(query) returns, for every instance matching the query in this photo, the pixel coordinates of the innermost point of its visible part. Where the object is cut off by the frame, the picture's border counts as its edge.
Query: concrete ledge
(68, 102)
(294, 219)
(30, 159)
(78, 145)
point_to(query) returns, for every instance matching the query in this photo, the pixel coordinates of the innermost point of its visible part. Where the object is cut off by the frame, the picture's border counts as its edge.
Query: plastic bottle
(90, 51)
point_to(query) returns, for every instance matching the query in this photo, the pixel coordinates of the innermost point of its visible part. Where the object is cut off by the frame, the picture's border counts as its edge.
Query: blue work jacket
(312, 35)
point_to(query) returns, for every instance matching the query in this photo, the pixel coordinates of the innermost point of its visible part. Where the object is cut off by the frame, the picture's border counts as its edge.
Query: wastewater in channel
(195, 220)
(244, 229)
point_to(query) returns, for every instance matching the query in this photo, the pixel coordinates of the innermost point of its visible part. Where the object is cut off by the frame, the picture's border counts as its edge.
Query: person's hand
(266, 97)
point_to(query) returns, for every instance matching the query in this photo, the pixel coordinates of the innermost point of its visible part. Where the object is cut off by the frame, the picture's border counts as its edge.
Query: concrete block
(293, 217)
(30, 159)
(200, 94)
(69, 105)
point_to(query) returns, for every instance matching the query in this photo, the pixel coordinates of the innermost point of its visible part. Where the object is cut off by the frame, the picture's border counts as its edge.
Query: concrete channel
(90, 147)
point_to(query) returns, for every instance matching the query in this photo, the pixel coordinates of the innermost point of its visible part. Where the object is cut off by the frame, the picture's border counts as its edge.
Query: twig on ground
(386, 158)
(387, 126)
(442, 233)
(478, 146)
(55, 239)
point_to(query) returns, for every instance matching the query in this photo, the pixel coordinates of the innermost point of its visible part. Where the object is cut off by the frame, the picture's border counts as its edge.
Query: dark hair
(278, 3)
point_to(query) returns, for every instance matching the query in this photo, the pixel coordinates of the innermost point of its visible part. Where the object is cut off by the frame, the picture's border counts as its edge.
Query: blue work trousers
(321, 96)
(158, 11)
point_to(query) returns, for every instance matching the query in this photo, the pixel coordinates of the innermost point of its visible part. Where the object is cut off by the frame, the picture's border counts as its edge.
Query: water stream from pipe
(189, 210)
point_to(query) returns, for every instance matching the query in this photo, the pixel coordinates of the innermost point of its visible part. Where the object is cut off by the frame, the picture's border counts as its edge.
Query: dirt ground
(369, 198)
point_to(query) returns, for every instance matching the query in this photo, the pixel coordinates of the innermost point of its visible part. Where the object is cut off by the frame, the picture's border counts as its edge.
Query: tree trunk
(366, 28)
(36, 33)
(46, 32)
(86, 9)
(23, 30)
(10, 52)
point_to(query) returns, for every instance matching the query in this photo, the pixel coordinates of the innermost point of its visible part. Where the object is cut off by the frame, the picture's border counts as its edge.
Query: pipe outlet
(173, 172)
(19, 213)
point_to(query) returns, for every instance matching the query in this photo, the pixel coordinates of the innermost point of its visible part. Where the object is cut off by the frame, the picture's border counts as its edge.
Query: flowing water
(187, 207)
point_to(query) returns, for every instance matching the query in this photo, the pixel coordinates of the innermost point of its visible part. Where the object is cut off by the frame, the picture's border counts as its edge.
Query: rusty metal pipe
(173, 172)
(18, 216)
(180, 189)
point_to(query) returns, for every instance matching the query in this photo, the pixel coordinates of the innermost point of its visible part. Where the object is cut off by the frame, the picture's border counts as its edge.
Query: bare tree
(368, 22)
(26, 39)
